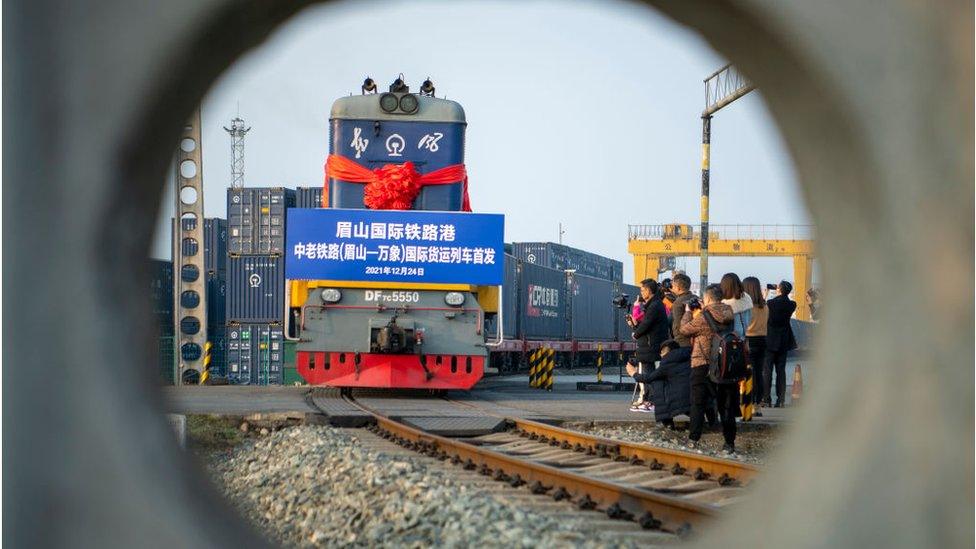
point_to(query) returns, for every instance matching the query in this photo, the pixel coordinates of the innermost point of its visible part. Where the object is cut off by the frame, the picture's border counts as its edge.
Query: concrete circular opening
(188, 195)
(882, 456)
(188, 169)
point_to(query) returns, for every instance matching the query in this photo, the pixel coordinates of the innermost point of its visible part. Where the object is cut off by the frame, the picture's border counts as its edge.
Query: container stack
(562, 258)
(161, 300)
(215, 263)
(255, 298)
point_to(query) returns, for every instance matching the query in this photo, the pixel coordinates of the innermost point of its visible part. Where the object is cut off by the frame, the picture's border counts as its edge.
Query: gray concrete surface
(874, 98)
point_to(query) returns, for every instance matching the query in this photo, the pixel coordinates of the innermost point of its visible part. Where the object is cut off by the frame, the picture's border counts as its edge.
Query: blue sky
(585, 114)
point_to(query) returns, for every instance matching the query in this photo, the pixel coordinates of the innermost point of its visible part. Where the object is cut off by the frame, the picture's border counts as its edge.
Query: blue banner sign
(395, 246)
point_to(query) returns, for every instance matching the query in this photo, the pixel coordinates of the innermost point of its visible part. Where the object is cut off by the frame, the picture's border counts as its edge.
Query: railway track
(660, 489)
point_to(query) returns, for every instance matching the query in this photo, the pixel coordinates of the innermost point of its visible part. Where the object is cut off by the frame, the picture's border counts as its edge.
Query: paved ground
(503, 395)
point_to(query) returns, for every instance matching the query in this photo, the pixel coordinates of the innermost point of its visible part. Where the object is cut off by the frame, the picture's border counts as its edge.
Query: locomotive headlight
(388, 102)
(409, 103)
(454, 299)
(331, 295)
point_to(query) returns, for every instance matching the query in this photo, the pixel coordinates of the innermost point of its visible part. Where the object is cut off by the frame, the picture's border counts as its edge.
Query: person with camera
(680, 285)
(696, 324)
(649, 332)
(779, 342)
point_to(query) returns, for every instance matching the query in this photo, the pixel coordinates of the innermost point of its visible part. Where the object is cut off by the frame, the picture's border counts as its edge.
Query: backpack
(728, 357)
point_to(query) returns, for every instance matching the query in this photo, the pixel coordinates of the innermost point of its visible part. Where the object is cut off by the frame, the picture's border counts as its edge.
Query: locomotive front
(396, 151)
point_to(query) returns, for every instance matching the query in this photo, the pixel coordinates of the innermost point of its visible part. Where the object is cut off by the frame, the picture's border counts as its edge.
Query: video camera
(622, 301)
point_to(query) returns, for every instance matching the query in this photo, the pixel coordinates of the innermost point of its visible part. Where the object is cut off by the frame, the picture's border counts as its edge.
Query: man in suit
(779, 342)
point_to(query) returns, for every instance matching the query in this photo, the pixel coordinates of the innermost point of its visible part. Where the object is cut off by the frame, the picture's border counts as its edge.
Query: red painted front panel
(389, 371)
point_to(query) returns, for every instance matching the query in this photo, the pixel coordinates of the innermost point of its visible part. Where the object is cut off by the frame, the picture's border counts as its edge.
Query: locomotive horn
(427, 88)
(369, 86)
(399, 86)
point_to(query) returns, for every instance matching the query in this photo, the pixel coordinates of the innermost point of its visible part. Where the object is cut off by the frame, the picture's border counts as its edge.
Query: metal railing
(680, 231)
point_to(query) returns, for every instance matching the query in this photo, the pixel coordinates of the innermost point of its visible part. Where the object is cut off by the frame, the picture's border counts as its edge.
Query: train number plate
(392, 296)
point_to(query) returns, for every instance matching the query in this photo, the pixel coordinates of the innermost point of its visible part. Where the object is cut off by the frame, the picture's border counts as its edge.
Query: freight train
(385, 334)
(560, 309)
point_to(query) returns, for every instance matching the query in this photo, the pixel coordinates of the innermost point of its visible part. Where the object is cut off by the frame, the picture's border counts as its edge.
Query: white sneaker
(647, 407)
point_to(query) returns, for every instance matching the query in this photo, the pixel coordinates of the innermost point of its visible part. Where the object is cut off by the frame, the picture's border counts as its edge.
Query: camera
(771, 287)
(622, 301)
(693, 304)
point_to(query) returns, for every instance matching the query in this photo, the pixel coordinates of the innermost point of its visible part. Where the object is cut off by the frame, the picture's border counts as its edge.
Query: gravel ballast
(753, 442)
(317, 486)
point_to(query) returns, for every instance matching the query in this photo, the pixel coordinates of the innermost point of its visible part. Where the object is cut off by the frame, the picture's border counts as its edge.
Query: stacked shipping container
(255, 283)
(562, 258)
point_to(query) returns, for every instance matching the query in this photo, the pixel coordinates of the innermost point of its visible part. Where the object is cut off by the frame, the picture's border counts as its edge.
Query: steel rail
(650, 509)
(718, 468)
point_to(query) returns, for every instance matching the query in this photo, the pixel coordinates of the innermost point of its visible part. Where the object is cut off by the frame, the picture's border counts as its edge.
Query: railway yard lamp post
(722, 87)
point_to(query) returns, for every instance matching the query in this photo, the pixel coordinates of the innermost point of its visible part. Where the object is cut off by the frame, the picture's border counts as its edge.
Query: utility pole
(237, 131)
(721, 88)
(190, 295)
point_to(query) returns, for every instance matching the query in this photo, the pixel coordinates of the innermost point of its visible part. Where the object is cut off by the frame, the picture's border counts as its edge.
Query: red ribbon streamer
(394, 186)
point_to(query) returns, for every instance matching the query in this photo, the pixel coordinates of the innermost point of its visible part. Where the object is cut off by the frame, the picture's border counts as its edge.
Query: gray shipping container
(633, 292)
(592, 313)
(510, 303)
(542, 303)
(161, 294)
(255, 289)
(255, 354)
(256, 219)
(308, 197)
(560, 257)
(216, 301)
(214, 242)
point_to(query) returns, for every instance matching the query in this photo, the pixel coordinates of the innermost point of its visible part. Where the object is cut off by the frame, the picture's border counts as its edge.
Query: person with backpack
(710, 327)
(735, 296)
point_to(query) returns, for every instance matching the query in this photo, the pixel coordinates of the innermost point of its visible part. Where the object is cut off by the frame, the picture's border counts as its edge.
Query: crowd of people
(676, 333)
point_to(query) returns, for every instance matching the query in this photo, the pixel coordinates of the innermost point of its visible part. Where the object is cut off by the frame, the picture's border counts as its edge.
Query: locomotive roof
(367, 107)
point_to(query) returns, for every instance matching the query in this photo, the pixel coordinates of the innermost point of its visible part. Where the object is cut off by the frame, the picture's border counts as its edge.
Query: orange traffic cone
(797, 391)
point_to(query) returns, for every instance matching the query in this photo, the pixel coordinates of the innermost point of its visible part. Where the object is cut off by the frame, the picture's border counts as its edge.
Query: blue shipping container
(542, 303)
(633, 292)
(215, 244)
(255, 289)
(161, 294)
(510, 303)
(592, 313)
(255, 354)
(560, 257)
(216, 302)
(256, 219)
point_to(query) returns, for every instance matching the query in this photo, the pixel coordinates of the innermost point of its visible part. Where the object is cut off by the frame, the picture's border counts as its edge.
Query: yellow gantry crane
(654, 248)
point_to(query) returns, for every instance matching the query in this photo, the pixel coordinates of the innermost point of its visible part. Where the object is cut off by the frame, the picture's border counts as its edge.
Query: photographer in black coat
(779, 342)
(652, 329)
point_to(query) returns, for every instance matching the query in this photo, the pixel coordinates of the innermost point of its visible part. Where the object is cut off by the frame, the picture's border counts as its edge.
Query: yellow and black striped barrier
(549, 364)
(207, 357)
(534, 367)
(599, 363)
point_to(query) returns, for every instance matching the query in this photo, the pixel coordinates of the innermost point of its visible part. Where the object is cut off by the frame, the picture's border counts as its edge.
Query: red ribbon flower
(394, 186)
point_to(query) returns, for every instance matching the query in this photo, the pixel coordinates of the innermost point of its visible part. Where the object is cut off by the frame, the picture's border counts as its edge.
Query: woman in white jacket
(735, 296)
